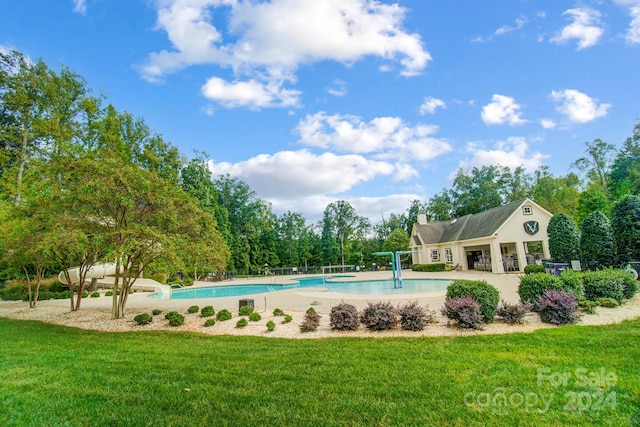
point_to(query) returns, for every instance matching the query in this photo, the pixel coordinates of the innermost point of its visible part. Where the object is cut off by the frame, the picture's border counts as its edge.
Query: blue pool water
(367, 287)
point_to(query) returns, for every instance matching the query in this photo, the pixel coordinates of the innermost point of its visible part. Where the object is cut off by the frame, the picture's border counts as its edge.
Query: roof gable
(468, 227)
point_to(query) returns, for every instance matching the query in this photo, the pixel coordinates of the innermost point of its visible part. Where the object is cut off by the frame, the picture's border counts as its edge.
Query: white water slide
(104, 274)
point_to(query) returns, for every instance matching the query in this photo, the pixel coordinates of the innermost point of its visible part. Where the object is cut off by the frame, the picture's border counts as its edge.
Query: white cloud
(513, 152)
(547, 123)
(338, 88)
(80, 6)
(586, 28)
(387, 138)
(252, 94)
(266, 42)
(502, 109)
(633, 33)
(578, 107)
(295, 174)
(519, 24)
(430, 105)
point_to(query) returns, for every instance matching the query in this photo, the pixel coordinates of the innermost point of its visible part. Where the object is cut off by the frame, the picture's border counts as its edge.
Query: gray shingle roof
(473, 226)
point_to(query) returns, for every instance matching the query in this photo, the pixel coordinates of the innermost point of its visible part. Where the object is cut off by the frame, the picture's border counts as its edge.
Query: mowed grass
(58, 376)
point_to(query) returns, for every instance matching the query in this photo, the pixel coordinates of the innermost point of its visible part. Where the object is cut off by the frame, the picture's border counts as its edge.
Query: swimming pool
(364, 287)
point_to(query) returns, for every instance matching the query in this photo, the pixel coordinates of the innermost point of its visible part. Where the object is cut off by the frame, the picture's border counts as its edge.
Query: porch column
(496, 257)
(522, 258)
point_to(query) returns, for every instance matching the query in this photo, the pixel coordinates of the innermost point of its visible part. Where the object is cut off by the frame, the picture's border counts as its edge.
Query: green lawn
(58, 376)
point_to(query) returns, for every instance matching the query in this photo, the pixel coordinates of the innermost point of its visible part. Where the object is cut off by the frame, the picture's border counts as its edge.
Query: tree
(564, 238)
(397, 241)
(477, 192)
(556, 194)
(597, 163)
(625, 224)
(625, 172)
(439, 207)
(342, 227)
(597, 245)
(589, 201)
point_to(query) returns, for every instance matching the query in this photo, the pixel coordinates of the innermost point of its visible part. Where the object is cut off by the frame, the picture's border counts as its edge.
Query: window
(527, 210)
(435, 255)
(448, 255)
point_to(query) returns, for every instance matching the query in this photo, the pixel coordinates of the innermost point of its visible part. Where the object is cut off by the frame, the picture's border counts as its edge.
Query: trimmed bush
(224, 314)
(533, 285)
(209, 322)
(255, 317)
(344, 317)
(534, 268)
(558, 307)
(156, 312)
(175, 318)
(242, 323)
(513, 313)
(193, 309)
(311, 321)
(278, 312)
(564, 238)
(85, 294)
(271, 326)
(108, 294)
(245, 310)
(482, 292)
(465, 311)
(95, 295)
(143, 319)
(429, 267)
(573, 282)
(414, 317)
(379, 316)
(207, 311)
(287, 318)
(604, 284)
(629, 284)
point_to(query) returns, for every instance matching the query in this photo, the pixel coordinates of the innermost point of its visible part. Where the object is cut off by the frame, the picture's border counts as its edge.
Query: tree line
(82, 182)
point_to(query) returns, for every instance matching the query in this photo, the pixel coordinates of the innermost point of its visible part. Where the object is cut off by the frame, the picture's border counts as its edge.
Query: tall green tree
(625, 172)
(556, 194)
(625, 224)
(564, 238)
(597, 245)
(597, 163)
(343, 229)
(398, 240)
(477, 191)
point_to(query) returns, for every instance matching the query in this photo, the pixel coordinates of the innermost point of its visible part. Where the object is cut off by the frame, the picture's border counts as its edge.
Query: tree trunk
(114, 303)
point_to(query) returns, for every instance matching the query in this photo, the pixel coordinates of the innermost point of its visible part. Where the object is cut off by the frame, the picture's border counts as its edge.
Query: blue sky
(373, 102)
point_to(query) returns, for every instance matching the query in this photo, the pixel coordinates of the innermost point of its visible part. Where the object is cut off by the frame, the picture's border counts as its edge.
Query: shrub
(245, 310)
(95, 295)
(465, 311)
(156, 312)
(414, 317)
(175, 318)
(143, 319)
(278, 312)
(85, 294)
(625, 225)
(597, 245)
(482, 292)
(311, 321)
(287, 318)
(209, 322)
(241, 323)
(429, 267)
(344, 317)
(108, 293)
(586, 305)
(193, 309)
(271, 326)
(379, 316)
(573, 282)
(224, 314)
(629, 284)
(607, 302)
(603, 284)
(558, 307)
(533, 285)
(534, 268)
(255, 317)
(207, 311)
(513, 313)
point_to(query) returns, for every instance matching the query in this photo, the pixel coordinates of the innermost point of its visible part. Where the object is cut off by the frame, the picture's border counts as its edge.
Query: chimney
(422, 217)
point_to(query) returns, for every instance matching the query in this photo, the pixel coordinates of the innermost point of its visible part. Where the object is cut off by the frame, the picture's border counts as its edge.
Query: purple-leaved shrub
(465, 311)
(558, 307)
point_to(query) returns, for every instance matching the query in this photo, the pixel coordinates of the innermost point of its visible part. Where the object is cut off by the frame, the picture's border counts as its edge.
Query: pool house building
(499, 240)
